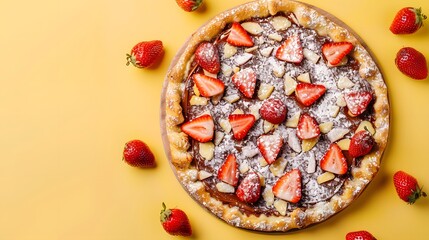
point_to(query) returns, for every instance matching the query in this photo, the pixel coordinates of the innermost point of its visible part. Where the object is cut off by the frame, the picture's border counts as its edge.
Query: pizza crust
(177, 144)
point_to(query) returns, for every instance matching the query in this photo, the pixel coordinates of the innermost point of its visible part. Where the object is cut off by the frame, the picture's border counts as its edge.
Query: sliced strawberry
(307, 127)
(291, 50)
(270, 146)
(334, 52)
(273, 110)
(288, 187)
(207, 56)
(241, 124)
(361, 144)
(334, 161)
(239, 37)
(245, 81)
(200, 128)
(308, 93)
(228, 172)
(249, 189)
(208, 86)
(357, 102)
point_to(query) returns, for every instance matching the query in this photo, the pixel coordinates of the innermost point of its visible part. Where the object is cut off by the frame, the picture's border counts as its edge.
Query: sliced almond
(206, 150)
(281, 206)
(226, 69)
(305, 77)
(262, 162)
(366, 125)
(325, 177)
(204, 175)
(308, 144)
(229, 50)
(311, 160)
(337, 133)
(341, 102)
(268, 196)
(261, 180)
(238, 111)
(216, 98)
(344, 82)
(213, 75)
(225, 187)
(252, 28)
(326, 127)
(198, 101)
(267, 126)
(251, 49)
(293, 142)
(278, 70)
(232, 98)
(196, 91)
(280, 23)
(250, 150)
(243, 58)
(293, 121)
(254, 110)
(235, 69)
(266, 52)
(276, 37)
(344, 144)
(277, 167)
(218, 137)
(290, 84)
(243, 168)
(311, 56)
(334, 111)
(265, 91)
(225, 125)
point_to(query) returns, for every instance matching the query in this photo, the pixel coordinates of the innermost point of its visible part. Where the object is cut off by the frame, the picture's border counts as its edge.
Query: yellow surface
(68, 104)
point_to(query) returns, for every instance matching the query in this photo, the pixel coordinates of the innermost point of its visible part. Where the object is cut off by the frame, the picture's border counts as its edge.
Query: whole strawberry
(407, 20)
(145, 54)
(412, 63)
(175, 222)
(359, 235)
(189, 5)
(137, 154)
(361, 144)
(407, 187)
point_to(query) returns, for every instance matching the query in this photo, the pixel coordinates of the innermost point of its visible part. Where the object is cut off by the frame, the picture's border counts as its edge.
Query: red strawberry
(359, 235)
(228, 172)
(407, 20)
(241, 124)
(357, 102)
(145, 54)
(291, 50)
(308, 93)
(239, 37)
(273, 110)
(288, 187)
(208, 86)
(412, 63)
(249, 189)
(175, 222)
(245, 81)
(307, 127)
(138, 154)
(407, 187)
(334, 52)
(189, 5)
(361, 144)
(200, 128)
(334, 161)
(270, 146)
(207, 56)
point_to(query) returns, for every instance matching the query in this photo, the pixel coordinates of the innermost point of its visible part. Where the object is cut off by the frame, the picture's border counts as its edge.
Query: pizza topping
(207, 56)
(245, 81)
(308, 127)
(361, 143)
(291, 50)
(334, 52)
(273, 110)
(307, 93)
(208, 86)
(200, 128)
(334, 161)
(228, 172)
(288, 187)
(249, 189)
(270, 146)
(241, 124)
(357, 102)
(238, 36)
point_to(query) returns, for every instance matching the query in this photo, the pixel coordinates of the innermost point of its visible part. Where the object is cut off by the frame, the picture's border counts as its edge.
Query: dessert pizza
(275, 116)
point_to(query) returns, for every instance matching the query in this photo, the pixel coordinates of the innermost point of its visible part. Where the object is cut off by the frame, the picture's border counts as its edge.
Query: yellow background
(68, 104)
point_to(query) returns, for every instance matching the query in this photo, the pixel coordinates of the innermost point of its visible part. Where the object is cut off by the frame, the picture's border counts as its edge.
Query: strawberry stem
(165, 213)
